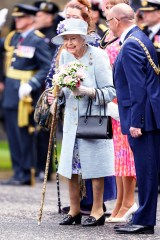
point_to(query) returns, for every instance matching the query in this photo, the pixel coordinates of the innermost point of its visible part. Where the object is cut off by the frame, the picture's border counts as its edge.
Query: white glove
(84, 91)
(24, 90)
(3, 15)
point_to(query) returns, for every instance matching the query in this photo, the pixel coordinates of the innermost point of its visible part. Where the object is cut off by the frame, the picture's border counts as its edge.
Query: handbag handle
(89, 107)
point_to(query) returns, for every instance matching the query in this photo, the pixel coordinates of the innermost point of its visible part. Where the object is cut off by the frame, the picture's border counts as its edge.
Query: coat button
(13, 59)
(75, 108)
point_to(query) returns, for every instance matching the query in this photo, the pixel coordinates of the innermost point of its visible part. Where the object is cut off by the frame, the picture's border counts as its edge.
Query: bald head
(123, 12)
(120, 17)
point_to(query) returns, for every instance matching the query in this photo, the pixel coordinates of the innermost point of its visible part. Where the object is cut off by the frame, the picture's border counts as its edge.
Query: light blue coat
(96, 156)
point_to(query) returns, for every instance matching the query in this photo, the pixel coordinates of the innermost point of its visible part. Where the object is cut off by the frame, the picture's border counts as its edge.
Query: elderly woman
(93, 159)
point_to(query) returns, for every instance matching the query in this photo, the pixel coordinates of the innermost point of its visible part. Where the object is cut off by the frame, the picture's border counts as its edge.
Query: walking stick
(57, 175)
(53, 124)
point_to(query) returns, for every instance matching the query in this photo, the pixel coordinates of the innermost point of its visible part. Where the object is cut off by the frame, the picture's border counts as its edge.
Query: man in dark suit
(27, 63)
(151, 17)
(136, 78)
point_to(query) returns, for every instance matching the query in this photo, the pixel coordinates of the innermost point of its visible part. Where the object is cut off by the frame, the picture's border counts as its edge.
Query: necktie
(20, 40)
(149, 32)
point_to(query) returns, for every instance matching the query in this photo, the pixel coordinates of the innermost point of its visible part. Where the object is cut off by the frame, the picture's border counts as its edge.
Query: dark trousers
(13, 134)
(42, 150)
(21, 145)
(146, 151)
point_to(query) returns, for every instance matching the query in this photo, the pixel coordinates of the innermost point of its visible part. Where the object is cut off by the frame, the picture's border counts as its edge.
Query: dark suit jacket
(137, 85)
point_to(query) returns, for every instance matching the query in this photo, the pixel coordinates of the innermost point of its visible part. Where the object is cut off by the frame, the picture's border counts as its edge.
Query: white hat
(72, 26)
(150, 5)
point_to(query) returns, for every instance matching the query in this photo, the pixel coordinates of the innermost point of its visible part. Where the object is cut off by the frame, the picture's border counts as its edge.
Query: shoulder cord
(155, 68)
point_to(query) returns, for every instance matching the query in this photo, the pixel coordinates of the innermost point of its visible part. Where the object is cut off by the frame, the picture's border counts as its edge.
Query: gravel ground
(19, 211)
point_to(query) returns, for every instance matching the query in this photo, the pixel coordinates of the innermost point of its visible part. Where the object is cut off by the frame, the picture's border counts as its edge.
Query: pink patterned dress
(124, 161)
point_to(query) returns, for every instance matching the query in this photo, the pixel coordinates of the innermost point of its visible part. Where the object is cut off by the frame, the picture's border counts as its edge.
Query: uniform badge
(25, 51)
(157, 41)
(144, 3)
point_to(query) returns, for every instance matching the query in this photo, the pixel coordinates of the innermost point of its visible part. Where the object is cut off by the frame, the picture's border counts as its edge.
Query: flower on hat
(61, 28)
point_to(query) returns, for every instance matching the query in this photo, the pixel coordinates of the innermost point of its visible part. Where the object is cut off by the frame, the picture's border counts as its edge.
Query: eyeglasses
(108, 20)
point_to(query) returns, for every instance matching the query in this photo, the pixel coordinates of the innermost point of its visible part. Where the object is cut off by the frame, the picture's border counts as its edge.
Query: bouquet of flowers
(70, 75)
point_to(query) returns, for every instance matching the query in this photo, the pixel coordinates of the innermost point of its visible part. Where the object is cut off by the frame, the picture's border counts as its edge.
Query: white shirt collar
(125, 33)
(154, 30)
(25, 34)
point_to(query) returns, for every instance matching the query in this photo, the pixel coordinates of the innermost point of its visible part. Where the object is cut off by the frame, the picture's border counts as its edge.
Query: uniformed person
(27, 62)
(44, 21)
(151, 16)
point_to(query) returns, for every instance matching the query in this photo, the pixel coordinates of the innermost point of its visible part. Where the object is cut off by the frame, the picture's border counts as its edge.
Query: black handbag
(95, 127)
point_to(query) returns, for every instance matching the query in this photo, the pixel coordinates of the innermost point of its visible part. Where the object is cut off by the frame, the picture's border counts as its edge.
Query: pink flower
(78, 83)
(67, 79)
(56, 78)
(80, 73)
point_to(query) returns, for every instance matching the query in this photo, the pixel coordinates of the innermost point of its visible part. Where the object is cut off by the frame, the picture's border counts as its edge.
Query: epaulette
(103, 27)
(142, 26)
(39, 34)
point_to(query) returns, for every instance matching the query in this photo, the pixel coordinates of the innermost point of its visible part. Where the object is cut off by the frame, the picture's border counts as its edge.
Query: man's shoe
(122, 225)
(12, 181)
(40, 177)
(135, 229)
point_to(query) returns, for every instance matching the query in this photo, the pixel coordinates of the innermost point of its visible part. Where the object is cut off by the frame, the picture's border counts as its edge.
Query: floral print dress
(124, 161)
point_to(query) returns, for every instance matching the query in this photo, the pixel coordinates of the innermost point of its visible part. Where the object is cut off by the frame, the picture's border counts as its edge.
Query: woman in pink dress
(124, 163)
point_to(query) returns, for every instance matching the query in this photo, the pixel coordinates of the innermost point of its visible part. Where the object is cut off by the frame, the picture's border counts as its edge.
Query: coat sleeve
(43, 57)
(135, 63)
(104, 76)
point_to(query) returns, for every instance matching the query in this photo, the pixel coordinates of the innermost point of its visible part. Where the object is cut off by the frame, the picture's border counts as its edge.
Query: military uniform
(155, 38)
(27, 62)
(49, 31)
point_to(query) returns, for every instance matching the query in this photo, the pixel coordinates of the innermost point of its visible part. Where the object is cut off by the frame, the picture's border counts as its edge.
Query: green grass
(5, 161)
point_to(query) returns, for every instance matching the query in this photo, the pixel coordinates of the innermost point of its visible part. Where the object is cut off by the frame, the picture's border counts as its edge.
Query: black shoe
(91, 221)
(40, 177)
(12, 181)
(69, 220)
(135, 229)
(66, 210)
(117, 226)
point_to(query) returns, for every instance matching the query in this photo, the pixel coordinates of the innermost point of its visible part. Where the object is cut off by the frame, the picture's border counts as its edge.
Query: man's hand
(3, 16)
(135, 132)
